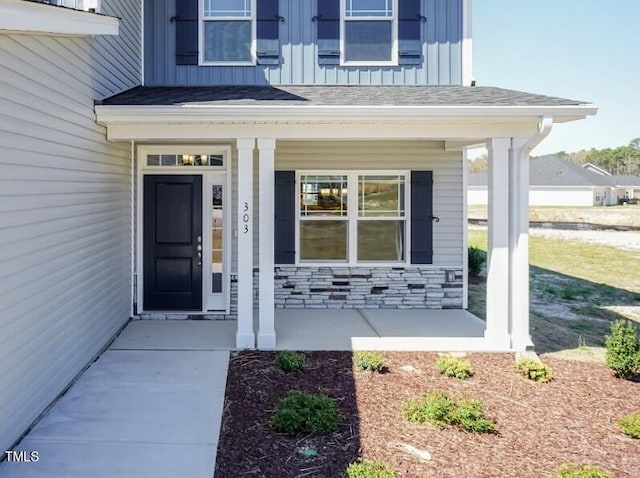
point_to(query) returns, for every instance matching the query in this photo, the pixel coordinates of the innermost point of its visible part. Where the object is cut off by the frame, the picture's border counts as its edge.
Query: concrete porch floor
(321, 329)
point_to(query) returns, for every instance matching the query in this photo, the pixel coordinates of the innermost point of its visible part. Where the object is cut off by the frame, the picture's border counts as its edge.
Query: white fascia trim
(17, 16)
(238, 113)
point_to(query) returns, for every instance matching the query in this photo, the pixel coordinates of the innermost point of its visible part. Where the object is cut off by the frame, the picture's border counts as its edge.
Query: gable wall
(64, 211)
(441, 51)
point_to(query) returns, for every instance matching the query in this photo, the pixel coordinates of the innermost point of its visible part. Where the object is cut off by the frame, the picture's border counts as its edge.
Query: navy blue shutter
(285, 217)
(421, 217)
(268, 45)
(186, 21)
(409, 32)
(328, 28)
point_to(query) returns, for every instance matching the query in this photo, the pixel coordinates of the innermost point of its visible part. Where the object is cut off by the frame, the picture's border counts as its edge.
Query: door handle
(199, 251)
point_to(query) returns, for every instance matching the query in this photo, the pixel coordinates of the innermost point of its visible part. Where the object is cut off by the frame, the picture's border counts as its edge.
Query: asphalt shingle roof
(554, 171)
(334, 96)
(626, 180)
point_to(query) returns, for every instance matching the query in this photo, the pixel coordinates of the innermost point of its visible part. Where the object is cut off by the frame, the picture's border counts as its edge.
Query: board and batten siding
(441, 52)
(64, 211)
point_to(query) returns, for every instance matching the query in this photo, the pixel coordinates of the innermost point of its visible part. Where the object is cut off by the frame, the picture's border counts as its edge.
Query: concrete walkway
(150, 406)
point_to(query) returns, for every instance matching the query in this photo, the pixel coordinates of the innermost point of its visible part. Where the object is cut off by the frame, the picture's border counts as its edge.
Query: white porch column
(519, 245)
(245, 338)
(497, 331)
(266, 328)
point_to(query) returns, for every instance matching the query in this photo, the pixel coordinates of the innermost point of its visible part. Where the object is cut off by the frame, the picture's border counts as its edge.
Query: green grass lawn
(577, 289)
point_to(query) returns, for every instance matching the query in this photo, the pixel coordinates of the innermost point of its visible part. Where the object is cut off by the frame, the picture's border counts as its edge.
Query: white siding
(477, 196)
(561, 196)
(64, 211)
(354, 155)
(541, 196)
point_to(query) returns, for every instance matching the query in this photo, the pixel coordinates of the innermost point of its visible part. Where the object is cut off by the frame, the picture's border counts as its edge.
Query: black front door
(172, 215)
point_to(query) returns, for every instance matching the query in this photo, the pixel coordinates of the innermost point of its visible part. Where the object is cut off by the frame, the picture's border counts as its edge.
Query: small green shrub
(570, 470)
(534, 370)
(470, 417)
(477, 258)
(630, 424)
(441, 410)
(369, 469)
(290, 361)
(454, 367)
(623, 349)
(302, 412)
(372, 361)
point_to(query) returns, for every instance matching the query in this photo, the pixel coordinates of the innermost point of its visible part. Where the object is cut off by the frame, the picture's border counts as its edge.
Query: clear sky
(578, 49)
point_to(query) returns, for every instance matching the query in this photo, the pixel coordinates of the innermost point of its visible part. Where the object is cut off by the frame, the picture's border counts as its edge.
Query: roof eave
(203, 112)
(41, 18)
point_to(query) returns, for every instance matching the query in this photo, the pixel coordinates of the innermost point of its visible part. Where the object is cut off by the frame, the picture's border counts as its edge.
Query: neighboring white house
(256, 162)
(559, 182)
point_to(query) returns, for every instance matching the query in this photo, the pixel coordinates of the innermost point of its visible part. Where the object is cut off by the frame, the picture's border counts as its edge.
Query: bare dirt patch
(628, 215)
(540, 426)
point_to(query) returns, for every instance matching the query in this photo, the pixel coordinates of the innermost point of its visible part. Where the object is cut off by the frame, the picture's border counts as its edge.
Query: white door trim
(208, 173)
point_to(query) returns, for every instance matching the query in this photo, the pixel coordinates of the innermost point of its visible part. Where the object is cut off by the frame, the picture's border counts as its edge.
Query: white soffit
(18, 16)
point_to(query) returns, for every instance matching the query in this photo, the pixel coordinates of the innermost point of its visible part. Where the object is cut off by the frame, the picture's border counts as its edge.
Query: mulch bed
(540, 426)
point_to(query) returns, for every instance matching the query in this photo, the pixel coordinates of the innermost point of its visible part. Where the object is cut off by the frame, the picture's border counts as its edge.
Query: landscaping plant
(623, 349)
(454, 367)
(630, 424)
(372, 361)
(570, 470)
(302, 412)
(290, 361)
(476, 258)
(369, 469)
(534, 370)
(442, 410)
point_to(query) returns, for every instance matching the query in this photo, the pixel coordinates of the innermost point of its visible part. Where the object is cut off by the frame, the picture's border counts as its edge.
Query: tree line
(620, 160)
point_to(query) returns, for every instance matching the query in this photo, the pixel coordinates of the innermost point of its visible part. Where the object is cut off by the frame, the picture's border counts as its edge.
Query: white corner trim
(467, 43)
(17, 16)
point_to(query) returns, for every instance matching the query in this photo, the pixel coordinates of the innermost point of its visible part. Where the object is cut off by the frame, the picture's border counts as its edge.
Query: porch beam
(497, 329)
(266, 326)
(428, 130)
(245, 338)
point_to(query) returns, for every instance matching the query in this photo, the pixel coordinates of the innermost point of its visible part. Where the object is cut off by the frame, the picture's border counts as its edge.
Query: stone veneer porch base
(300, 287)
(406, 287)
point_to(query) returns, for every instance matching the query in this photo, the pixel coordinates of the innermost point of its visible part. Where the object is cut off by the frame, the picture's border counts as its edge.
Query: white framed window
(369, 32)
(324, 221)
(352, 218)
(228, 33)
(185, 160)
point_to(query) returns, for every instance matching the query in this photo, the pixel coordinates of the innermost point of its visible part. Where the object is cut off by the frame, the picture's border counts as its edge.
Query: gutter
(207, 112)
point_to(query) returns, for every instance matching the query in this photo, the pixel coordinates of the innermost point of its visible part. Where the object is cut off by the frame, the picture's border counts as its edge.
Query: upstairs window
(369, 32)
(229, 31)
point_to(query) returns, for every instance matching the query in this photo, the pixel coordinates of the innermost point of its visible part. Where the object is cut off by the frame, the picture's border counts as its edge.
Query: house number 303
(245, 218)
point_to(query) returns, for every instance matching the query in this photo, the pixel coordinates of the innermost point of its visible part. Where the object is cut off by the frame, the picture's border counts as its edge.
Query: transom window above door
(229, 31)
(185, 160)
(369, 32)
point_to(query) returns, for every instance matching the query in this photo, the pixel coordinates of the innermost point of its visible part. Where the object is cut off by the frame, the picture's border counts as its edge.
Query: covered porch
(257, 123)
